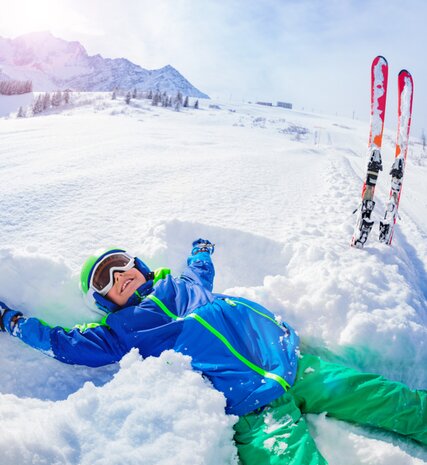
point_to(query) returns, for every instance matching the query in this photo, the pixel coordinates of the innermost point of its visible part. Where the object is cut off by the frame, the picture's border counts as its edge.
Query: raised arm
(200, 268)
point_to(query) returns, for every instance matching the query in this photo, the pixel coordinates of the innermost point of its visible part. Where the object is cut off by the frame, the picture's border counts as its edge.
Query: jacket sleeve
(200, 270)
(92, 345)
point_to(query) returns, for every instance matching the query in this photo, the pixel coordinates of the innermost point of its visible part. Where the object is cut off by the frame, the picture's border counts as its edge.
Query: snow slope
(275, 190)
(10, 103)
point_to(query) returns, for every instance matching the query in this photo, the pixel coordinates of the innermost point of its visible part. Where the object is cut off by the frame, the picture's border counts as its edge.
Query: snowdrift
(274, 190)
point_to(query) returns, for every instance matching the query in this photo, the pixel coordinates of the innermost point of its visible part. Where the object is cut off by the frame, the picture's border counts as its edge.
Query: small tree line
(158, 98)
(15, 87)
(50, 100)
(46, 101)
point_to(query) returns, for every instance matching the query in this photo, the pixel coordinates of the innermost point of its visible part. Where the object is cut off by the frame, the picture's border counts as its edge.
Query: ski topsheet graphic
(405, 95)
(379, 79)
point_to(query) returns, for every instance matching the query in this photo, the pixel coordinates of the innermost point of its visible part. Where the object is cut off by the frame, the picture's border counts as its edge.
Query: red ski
(405, 95)
(379, 78)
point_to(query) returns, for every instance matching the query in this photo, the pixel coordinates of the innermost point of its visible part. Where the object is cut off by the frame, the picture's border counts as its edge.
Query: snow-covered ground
(11, 103)
(275, 190)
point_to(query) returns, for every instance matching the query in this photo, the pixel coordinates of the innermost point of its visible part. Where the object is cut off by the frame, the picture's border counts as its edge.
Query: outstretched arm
(91, 345)
(200, 268)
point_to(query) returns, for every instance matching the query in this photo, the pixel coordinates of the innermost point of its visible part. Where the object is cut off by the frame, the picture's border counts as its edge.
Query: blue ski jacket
(237, 344)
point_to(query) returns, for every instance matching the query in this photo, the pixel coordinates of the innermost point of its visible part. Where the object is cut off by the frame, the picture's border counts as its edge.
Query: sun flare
(56, 16)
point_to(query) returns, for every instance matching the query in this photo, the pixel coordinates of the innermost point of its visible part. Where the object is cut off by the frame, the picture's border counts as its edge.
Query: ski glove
(202, 245)
(8, 318)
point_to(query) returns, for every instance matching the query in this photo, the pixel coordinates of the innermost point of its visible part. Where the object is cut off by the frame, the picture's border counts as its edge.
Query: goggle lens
(102, 277)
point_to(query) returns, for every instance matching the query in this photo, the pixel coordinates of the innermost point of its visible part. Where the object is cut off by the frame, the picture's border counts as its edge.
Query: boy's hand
(8, 317)
(202, 245)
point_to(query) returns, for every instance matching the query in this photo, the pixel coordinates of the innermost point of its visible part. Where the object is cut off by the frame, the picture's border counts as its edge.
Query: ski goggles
(102, 278)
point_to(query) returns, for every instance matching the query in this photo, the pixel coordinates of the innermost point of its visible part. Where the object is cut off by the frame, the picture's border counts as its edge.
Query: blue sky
(313, 53)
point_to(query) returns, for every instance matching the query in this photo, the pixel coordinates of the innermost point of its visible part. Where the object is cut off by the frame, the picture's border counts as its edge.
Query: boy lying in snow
(237, 344)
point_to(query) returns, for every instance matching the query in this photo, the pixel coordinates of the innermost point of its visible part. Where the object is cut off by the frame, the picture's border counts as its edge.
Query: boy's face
(125, 284)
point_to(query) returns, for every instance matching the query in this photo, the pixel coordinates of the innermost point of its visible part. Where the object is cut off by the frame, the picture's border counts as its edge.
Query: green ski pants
(278, 434)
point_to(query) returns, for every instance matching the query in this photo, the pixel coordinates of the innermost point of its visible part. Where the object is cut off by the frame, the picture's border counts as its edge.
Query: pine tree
(66, 96)
(37, 106)
(178, 101)
(165, 100)
(196, 104)
(56, 99)
(21, 113)
(127, 98)
(155, 100)
(134, 93)
(150, 95)
(114, 95)
(186, 102)
(46, 101)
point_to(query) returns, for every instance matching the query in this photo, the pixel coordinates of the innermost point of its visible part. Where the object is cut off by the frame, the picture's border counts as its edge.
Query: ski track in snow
(274, 189)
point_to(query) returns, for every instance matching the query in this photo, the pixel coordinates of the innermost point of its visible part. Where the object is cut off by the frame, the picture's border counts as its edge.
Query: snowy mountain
(53, 63)
(275, 190)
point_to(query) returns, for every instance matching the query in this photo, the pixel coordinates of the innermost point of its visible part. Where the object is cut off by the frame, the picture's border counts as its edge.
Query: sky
(315, 54)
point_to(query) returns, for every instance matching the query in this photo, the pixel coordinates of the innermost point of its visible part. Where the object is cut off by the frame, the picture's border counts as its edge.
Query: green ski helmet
(89, 265)
(90, 291)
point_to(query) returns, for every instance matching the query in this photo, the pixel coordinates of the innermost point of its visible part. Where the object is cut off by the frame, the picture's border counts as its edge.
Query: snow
(379, 85)
(274, 189)
(405, 111)
(143, 415)
(10, 103)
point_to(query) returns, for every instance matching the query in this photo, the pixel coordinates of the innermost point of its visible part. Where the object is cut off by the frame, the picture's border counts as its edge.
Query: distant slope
(53, 63)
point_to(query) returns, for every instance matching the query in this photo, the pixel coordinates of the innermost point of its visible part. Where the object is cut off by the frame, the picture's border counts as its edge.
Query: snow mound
(241, 258)
(143, 415)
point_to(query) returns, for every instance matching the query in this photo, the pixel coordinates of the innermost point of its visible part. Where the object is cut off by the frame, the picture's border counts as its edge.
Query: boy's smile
(125, 284)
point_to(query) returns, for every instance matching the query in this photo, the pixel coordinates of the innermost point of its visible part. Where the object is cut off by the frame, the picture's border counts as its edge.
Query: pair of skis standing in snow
(379, 78)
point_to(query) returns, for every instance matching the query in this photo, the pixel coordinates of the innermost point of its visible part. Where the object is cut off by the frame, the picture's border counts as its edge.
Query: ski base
(364, 224)
(387, 224)
(385, 232)
(391, 215)
(375, 165)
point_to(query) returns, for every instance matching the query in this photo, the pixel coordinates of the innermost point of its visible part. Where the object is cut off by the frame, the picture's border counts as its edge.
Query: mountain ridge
(53, 63)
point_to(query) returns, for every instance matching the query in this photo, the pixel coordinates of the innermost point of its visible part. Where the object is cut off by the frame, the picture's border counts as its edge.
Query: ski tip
(380, 57)
(404, 78)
